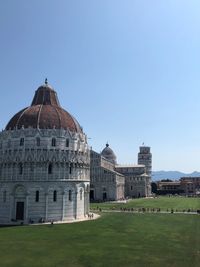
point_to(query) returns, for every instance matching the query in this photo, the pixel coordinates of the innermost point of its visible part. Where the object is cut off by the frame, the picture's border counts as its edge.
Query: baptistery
(44, 164)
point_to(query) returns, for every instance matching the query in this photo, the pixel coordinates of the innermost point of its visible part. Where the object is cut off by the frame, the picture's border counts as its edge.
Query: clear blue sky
(128, 70)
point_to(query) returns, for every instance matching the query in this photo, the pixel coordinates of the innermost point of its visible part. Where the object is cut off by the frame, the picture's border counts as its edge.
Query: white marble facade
(44, 175)
(111, 181)
(106, 183)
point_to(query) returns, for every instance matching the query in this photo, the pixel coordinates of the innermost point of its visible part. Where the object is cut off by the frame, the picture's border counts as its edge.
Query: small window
(20, 168)
(54, 195)
(21, 141)
(131, 187)
(67, 142)
(70, 195)
(50, 168)
(70, 169)
(53, 142)
(37, 196)
(38, 141)
(4, 196)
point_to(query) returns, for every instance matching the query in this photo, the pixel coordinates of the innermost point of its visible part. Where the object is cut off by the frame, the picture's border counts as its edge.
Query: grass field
(116, 239)
(164, 203)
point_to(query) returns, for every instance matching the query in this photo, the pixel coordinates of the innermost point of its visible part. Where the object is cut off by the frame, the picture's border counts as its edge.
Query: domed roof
(108, 153)
(45, 112)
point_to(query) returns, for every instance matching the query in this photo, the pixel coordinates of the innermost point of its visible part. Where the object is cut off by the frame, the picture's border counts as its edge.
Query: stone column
(26, 207)
(63, 206)
(12, 207)
(59, 168)
(12, 167)
(87, 195)
(75, 204)
(88, 201)
(85, 203)
(46, 206)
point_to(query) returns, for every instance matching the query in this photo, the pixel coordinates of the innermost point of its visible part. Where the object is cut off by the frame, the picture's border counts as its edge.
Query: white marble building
(137, 182)
(44, 164)
(111, 181)
(106, 182)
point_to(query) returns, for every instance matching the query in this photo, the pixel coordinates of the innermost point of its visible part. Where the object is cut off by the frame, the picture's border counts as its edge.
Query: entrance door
(20, 211)
(104, 196)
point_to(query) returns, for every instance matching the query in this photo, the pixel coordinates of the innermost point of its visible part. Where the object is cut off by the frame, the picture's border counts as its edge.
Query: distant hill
(172, 175)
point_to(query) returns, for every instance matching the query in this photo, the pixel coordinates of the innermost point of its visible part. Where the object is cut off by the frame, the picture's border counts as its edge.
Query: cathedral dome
(45, 112)
(108, 153)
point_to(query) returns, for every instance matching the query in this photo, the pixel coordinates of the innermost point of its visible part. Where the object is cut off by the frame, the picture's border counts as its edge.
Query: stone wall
(46, 161)
(106, 183)
(65, 206)
(137, 182)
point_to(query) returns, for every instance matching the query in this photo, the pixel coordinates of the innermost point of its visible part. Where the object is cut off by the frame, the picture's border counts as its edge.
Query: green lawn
(116, 239)
(164, 203)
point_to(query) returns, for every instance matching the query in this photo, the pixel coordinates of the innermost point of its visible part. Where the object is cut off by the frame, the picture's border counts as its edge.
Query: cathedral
(44, 164)
(111, 181)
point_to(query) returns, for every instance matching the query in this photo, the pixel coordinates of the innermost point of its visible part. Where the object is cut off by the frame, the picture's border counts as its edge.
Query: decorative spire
(46, 81)
(107, 145)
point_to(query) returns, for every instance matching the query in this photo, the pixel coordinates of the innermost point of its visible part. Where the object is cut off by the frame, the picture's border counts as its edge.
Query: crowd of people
(149, 210)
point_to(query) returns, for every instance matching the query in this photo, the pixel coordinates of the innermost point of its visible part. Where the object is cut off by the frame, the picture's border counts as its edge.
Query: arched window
(37, 196)
(50, 168)
(81, 194)
(4, 196)
(53, 142)
(67, 143)
(70, 168)
(54, 195)
(21, 141)
(70, 195)
(20, 168)
(38, 141)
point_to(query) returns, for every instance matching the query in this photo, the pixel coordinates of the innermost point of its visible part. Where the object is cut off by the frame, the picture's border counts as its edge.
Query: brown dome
(45, 112)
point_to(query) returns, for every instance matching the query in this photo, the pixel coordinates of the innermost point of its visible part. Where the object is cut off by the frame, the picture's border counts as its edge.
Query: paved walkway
(92, 216)
(148, 212)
